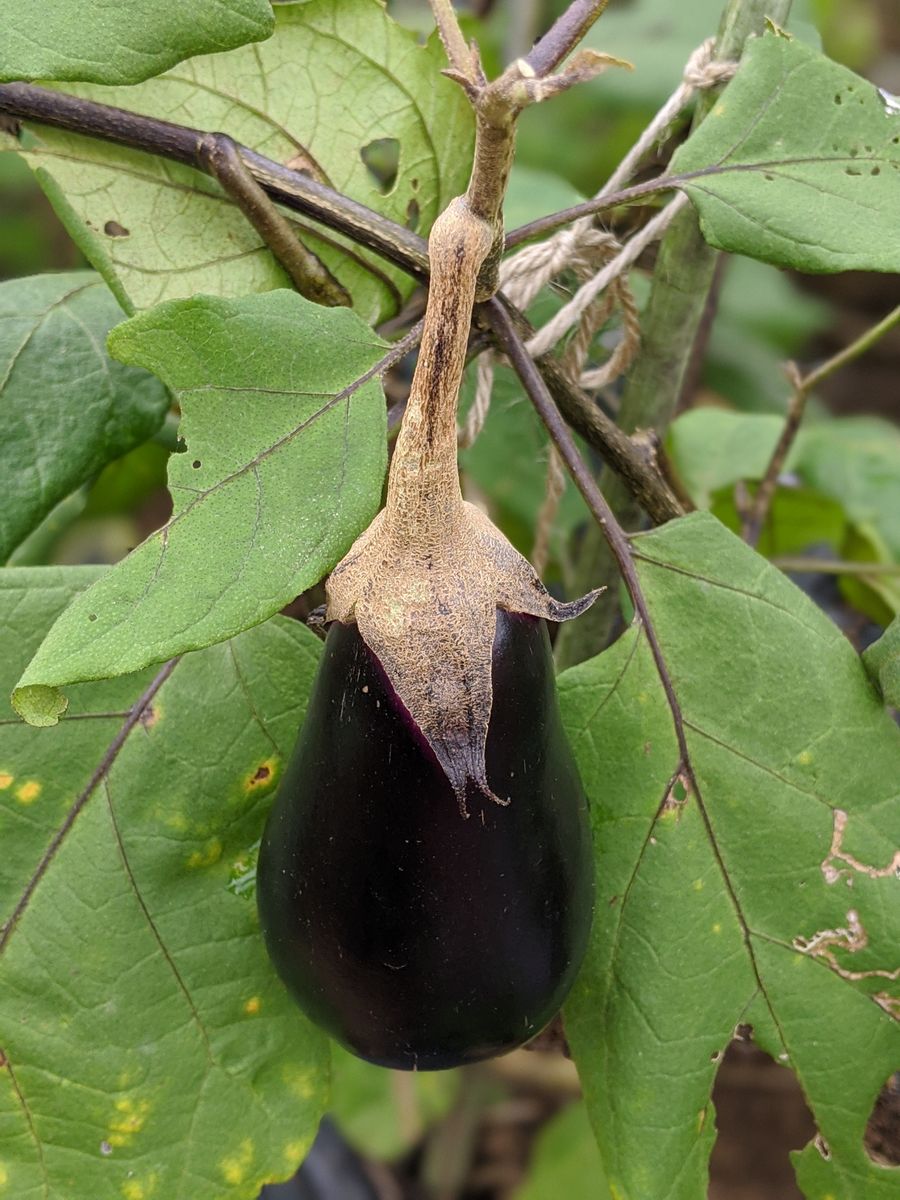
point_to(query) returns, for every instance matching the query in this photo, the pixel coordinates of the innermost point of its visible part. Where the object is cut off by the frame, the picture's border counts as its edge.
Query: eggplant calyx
(428, 610)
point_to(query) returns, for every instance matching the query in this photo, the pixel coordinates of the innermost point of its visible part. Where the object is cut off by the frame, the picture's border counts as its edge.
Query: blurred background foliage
(516, 1128)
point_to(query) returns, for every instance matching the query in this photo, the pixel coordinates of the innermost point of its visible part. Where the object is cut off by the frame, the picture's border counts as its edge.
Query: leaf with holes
(90, 40)
(147, 1047)
(768, 896)
(284, 420)
(340, 92)
(798, 163)
(66, 409)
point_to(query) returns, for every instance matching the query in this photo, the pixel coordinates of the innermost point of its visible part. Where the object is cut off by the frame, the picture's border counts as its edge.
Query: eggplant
(418, 935)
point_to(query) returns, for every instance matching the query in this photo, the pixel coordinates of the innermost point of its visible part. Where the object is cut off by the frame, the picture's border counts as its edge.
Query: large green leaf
(95, 41)
(798, 163)
(66, 409)
(770, 897)
(148, 1050)
(284, 420)
(336, 80)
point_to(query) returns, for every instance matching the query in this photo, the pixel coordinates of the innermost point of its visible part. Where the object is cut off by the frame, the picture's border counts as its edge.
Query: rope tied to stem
(600, 262)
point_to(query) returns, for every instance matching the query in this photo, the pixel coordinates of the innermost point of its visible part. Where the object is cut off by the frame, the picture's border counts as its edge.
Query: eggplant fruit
(417, 937)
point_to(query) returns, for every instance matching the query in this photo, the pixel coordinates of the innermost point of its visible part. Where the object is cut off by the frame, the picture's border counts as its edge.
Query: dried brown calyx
(424, 581)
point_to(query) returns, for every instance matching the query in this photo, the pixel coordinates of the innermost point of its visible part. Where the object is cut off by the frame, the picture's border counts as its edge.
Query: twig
(524, 366)
(112, 753)
(564, 35)
(857, 347)
(829, 566)
(617, 449)
(335, 211)
(221, 157)
(755, 516)
(181, 143)
(458, 53)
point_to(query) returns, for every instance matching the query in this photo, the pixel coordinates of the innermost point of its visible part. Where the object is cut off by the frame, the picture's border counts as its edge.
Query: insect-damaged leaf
(147, 1047)
(284, 421)
(798, 163)
(337, 89)
(772, 898)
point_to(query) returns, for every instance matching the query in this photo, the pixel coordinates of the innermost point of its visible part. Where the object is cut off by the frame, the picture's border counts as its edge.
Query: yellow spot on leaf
(295, 1152)
(28, 792)
(804, 758)
(130, 1120)
(5, 780)
(698, 885)
(4, 1176)
(253, 1005)
(208, 856)
(176, 821)
(300, 1082)
(137, 1189)
(234, 1169)
(717, 928)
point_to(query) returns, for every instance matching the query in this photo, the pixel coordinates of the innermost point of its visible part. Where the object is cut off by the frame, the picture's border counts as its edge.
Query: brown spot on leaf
(114, 229)
(262, 776)
(149, 716)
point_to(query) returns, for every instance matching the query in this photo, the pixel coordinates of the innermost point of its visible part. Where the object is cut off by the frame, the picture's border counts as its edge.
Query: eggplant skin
(417, 938)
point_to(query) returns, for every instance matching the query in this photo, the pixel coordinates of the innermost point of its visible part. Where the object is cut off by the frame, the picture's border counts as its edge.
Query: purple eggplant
(415, 935)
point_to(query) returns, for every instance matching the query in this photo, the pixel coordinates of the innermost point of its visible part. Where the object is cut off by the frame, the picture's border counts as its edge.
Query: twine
(582, 248)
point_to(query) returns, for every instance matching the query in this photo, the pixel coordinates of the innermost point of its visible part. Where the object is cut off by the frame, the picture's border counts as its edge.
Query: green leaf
(284, 420)
(715, 908)
(882, 661)
(74, 39)
(383, 1113)
(565, 1161)
(149, 1049)
(66, 410)
(336, 80)
(798, 163)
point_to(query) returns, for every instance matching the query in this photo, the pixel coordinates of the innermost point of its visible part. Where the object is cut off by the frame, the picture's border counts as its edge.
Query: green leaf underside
(66, 409)
(150, 1049)
(280, 473)
(799, 164)
(882, 660)
(335, 78)
(698, 907)
(98, 42)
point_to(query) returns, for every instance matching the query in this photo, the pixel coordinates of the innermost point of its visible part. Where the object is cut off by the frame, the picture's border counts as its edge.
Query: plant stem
(180, 143)
(829, 566)
(222, 159)
(682, 279)
(612, 531)
(758, 510)
(298, 192)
